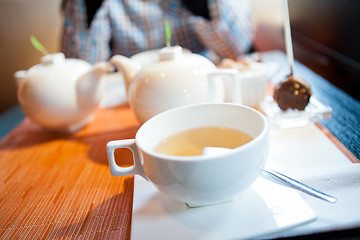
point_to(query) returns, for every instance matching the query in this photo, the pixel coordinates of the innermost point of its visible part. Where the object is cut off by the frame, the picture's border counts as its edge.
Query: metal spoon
(281, 177)
(299, 186)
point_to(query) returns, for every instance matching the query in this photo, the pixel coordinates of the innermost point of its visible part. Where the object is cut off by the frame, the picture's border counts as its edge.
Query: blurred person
(95, 30)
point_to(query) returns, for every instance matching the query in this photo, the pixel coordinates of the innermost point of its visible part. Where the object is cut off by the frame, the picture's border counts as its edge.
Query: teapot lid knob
(170, 53)
(54, 58)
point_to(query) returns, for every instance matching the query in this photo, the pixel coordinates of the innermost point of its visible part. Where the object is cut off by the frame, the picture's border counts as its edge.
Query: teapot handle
(232, 74)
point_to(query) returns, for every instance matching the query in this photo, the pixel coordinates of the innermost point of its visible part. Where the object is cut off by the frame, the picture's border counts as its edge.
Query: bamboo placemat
(60, 186)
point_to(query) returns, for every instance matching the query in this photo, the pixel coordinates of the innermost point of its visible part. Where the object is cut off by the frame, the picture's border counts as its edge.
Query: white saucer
(263, 209)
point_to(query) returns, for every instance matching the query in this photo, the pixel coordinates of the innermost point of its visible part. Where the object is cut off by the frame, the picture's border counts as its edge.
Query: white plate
(263, 209)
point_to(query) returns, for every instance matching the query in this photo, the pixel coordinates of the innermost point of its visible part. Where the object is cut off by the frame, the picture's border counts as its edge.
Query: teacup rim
(258, 138)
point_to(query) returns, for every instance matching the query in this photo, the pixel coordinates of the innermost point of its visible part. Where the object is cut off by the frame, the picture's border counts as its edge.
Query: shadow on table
(109, 220)
(29, 135)
(97, 146)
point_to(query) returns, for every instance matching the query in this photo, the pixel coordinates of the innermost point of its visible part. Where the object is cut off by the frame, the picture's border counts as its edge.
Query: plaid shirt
(128, 27)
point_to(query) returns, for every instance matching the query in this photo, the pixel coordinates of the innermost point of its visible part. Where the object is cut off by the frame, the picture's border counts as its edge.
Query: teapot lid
(54, 58)
(170, 53)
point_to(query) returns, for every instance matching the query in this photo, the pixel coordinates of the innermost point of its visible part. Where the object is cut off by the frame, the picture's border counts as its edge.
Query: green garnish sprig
(38, 45)
(168, 33)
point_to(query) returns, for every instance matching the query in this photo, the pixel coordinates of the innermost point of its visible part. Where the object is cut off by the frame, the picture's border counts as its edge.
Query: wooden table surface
(59, 185)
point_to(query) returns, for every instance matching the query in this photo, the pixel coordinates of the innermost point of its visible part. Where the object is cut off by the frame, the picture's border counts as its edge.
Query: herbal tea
(193, 141)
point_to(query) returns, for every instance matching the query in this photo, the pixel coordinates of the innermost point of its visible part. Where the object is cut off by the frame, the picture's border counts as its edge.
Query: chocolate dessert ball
(292, 93)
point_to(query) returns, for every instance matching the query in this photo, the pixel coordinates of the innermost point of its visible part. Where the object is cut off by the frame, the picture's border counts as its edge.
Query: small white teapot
(176, 79)
(60, 94)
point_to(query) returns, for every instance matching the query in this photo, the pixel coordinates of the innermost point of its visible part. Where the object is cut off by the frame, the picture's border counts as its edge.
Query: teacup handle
(235, 83)
(115, 169)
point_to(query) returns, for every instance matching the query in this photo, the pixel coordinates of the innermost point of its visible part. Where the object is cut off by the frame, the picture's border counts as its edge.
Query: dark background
(327, 36)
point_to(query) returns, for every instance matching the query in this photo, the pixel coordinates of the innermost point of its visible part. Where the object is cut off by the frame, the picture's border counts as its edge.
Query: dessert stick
(288, 39)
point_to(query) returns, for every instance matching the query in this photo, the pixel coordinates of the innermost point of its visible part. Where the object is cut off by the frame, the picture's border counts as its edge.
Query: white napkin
(342, 182)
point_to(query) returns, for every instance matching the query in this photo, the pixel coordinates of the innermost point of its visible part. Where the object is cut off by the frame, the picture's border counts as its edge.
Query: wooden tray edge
(338, 144)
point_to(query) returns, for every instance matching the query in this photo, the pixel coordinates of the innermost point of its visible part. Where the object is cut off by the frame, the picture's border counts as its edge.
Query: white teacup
(197, 180)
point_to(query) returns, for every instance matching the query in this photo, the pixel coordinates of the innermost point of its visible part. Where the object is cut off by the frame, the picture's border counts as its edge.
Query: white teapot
(61, 94)
(176, 79)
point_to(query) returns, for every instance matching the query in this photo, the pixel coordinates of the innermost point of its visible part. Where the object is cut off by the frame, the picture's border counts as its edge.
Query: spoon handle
(299, 186)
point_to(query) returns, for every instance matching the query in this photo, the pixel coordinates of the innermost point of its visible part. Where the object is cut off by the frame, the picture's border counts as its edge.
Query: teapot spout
(100, 69)
(127, 67)
(89, 86)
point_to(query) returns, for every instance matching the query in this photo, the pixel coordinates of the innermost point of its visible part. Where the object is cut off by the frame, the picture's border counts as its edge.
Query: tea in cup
(226, 146)
(202, 141)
